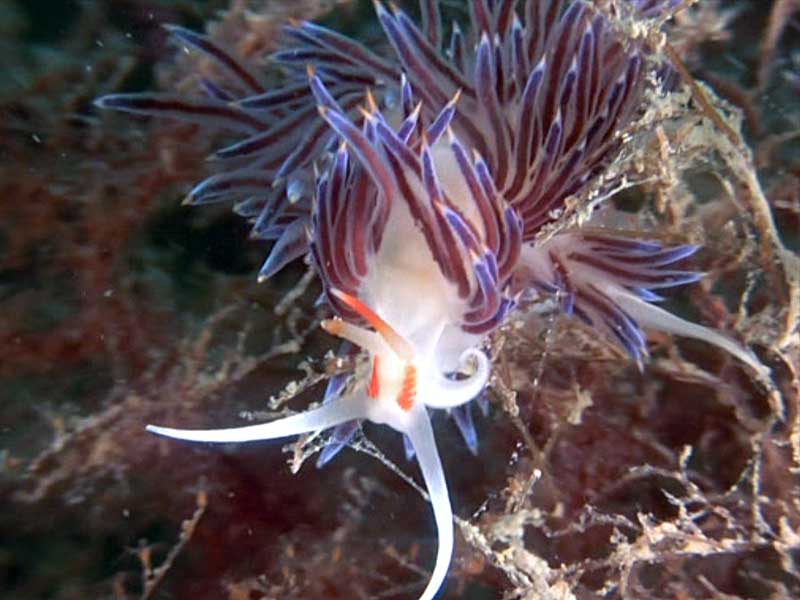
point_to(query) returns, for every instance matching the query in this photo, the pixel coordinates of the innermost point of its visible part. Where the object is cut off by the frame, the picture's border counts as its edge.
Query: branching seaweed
(595, 479)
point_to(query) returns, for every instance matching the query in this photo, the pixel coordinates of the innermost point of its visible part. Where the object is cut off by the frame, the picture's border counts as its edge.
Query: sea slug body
(419, 183)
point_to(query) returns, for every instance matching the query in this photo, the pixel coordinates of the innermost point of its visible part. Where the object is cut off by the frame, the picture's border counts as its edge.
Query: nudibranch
(420, 181)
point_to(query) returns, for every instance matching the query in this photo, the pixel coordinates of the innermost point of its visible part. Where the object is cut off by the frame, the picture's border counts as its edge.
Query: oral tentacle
(420, 433)
(398, 344)
(455, 392)
(328, 415)
(363, 338)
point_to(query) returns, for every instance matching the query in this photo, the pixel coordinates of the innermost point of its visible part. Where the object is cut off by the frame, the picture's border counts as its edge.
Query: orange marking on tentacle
(373, 106)
(394, 339)
(374, 388)
(408, 393)
(332, 326)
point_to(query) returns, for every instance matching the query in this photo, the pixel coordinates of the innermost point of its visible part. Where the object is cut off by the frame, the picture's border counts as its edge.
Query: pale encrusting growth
(419, 182)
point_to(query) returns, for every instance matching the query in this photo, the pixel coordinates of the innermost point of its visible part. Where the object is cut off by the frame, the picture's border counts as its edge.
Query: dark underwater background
(119, 307)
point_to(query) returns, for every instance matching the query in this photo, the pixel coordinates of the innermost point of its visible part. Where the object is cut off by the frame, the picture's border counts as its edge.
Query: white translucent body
(405, 289)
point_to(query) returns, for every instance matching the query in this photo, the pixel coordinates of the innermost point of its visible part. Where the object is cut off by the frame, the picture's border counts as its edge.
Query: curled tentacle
(455, 392)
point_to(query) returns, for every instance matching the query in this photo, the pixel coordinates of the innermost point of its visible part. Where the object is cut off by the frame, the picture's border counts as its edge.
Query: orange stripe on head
(396, 342)
(374, 388)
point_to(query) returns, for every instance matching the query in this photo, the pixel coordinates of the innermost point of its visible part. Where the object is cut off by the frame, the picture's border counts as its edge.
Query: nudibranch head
(420, 184)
